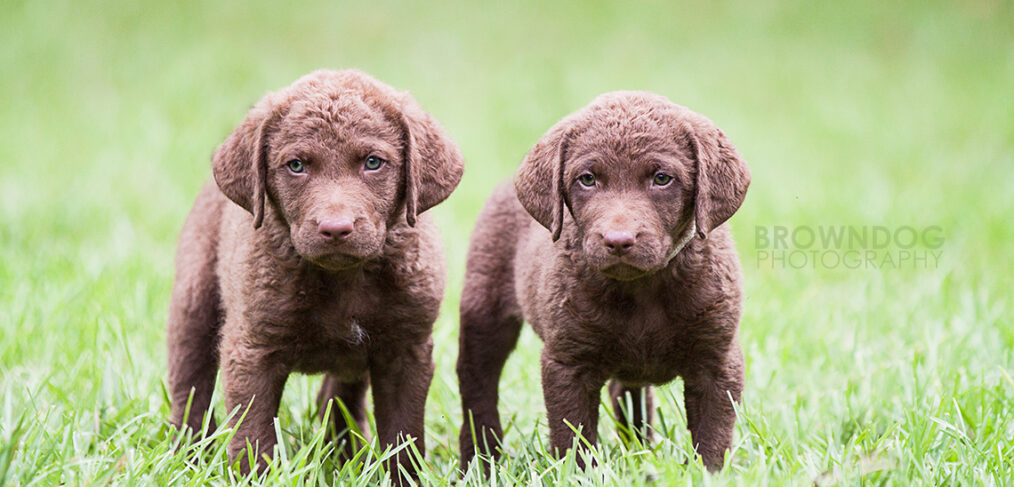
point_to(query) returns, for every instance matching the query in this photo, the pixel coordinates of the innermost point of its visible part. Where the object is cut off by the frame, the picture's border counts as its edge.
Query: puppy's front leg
(254, 384)
(401, 378)
(711, 417)
(572, 396)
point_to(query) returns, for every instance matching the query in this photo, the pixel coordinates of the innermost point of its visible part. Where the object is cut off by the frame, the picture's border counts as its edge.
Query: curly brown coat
(312, 254)
(637, 280)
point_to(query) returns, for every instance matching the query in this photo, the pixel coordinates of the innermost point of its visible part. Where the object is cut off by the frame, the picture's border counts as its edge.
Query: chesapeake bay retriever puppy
(312, 254)
(635, 282)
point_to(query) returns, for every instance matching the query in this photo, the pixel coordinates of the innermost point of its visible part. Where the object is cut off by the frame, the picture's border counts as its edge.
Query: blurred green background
(852, 113)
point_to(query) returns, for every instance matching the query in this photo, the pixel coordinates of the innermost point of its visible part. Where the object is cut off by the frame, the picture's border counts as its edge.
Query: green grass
(851, 113)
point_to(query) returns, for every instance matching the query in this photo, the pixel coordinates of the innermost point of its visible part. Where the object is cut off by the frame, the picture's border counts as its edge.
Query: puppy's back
(489, 269)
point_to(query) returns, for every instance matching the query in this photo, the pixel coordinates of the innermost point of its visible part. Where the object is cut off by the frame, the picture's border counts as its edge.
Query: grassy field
(853, 115)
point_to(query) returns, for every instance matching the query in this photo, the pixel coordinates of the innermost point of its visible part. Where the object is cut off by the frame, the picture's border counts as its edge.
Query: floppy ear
(240, 163)
(432, 163)
(539, 183)
(722, 177)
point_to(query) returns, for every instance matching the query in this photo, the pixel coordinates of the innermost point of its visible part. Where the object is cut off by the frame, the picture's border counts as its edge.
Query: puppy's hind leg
(633, 407)
(194, 319)
(490, 320)
(488, 334)
(353, 396)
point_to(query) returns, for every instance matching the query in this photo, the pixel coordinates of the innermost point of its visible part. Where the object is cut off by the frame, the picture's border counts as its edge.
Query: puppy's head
(339, 157)
(637, 177)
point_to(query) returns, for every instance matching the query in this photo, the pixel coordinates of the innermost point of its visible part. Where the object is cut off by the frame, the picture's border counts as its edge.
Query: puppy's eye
(373, 163)
(662, 179)
(587, 180)
(296, 166)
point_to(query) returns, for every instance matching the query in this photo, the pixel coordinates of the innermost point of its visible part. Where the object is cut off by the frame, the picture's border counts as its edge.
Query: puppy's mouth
(333, 254)
(337, 262)
(623, 272)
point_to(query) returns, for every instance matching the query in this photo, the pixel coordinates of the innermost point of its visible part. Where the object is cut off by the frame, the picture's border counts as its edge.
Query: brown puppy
(308, 256)
(619, 289)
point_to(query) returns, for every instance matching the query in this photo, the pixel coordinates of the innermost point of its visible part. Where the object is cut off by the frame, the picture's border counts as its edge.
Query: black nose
(338, 228)
(618, 243)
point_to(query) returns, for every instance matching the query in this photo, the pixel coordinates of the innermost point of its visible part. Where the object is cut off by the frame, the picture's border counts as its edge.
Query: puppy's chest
(324, 327)
(334, 321)
(638, 340)
(337, 316)
(647, 350)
